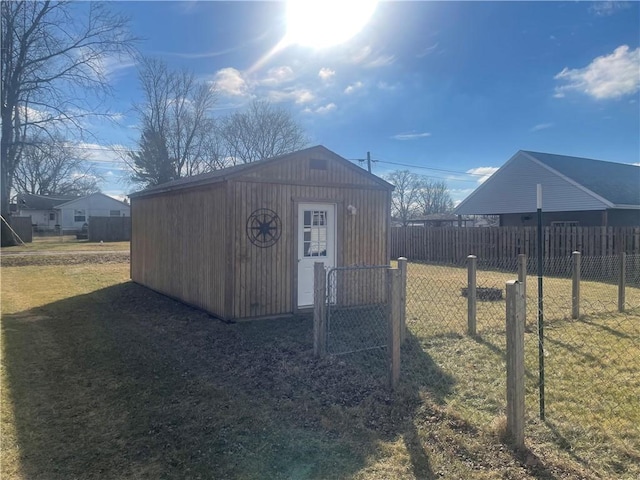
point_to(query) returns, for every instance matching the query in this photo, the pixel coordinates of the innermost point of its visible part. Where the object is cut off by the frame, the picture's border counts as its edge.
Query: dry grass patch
(65, 244)
(592, 364)
(102, 378)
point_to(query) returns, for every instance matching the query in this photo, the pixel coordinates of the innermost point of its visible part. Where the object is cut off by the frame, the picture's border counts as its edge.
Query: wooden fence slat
(453, 244)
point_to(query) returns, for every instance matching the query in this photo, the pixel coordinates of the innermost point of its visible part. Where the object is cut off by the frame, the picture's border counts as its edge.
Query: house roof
(29, 201)
(97, 194)
(237, 170)
(568, 184)
(619, 183)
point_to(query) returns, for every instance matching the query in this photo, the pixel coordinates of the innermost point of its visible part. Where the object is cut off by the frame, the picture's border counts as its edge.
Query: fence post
(402, 266)
(319, 310)
(622, 280)
(575, 285)
(515, 310)
(472, 265)
(522, 272)
(393, 338)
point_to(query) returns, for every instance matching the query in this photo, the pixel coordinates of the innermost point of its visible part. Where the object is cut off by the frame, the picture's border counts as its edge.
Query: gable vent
(316, 164)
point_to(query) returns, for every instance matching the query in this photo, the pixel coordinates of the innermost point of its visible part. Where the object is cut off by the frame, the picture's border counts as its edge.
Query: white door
(316, 243)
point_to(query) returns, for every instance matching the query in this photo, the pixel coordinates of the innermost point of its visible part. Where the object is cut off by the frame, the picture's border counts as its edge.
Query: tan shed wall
(178, 245)
(264, 279)
(297, 170)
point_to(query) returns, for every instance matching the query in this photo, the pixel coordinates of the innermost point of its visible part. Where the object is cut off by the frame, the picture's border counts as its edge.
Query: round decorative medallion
(264, 227)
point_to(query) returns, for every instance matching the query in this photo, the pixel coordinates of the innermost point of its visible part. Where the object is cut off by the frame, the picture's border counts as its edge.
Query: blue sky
(453, 89)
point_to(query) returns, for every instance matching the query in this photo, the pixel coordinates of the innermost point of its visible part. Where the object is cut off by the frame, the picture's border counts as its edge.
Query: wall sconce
(352, 210)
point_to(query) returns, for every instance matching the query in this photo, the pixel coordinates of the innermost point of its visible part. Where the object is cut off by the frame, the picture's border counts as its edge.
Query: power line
(429, 168)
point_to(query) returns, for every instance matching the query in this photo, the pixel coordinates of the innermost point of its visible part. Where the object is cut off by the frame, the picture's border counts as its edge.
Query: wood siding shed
(192, 238)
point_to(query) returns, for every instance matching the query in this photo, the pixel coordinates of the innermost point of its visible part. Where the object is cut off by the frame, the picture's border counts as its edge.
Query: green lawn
(102, 378)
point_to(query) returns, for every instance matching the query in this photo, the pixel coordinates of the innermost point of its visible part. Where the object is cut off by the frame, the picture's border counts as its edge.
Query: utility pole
(369, 161)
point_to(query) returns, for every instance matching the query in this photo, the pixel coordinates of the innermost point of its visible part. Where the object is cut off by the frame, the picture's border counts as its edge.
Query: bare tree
(54, 167)
(177, 122)
(433, 196)
(404, 199)
(262, 131)
(54, 73)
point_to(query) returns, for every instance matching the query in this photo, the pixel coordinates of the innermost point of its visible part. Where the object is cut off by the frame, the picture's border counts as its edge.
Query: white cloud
(428, 50)
(112, 157)
(231, 82)
(353, 87)
(483, 172)
(298, 95)
(459, 194)
(278, 75)
(608, 76)
(326, 74)
(608, 7)
(322, 110)
(112, 66)
(380, 61)
(367, 58)
(411, 136)
(388, 87)
(541, 126)
(361, 55)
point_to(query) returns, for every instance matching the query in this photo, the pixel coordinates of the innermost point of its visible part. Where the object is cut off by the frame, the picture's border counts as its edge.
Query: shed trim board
(201, 240)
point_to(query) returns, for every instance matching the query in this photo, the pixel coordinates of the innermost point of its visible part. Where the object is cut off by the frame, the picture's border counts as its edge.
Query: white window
(79, 216)
(114, 213)
(315, 233)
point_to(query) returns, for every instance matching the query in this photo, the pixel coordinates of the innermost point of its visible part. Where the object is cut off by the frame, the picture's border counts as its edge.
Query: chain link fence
(357, 313)
(590, 346)
(454, 347)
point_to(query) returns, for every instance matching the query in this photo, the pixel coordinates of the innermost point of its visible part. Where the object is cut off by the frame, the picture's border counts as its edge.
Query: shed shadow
(124, 382)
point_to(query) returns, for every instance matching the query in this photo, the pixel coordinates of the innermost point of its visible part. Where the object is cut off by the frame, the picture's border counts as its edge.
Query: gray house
(575, 192)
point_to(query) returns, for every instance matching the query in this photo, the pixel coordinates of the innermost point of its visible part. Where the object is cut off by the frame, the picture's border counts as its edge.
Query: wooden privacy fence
(22, 227)
(109, 229)
(451, 244)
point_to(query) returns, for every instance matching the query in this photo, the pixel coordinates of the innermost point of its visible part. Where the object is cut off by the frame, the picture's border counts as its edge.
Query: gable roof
(30, 201)
(568, 184)
(619, 183)
(237, 170)
(97, 194)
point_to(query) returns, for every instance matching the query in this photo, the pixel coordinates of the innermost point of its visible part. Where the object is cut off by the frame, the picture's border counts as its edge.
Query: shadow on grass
(124, 382)
(605, 328)
(577, 349)
(501, 352)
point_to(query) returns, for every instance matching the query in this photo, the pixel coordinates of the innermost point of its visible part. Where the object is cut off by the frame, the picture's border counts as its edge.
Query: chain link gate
(357, 309)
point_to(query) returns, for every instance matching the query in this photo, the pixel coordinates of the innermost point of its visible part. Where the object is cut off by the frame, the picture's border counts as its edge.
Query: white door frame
(309, 248)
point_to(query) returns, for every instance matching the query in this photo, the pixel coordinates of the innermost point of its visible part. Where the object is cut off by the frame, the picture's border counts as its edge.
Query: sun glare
(321, 24)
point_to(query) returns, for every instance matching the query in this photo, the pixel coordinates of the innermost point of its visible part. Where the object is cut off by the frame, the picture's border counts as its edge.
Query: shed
(242, 242)
(575, 192)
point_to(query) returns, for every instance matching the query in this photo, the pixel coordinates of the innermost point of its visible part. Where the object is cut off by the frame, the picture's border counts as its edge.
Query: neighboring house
(439, 220)
(68, 213)
(242, 242)
(41, 208)
(575, 192)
